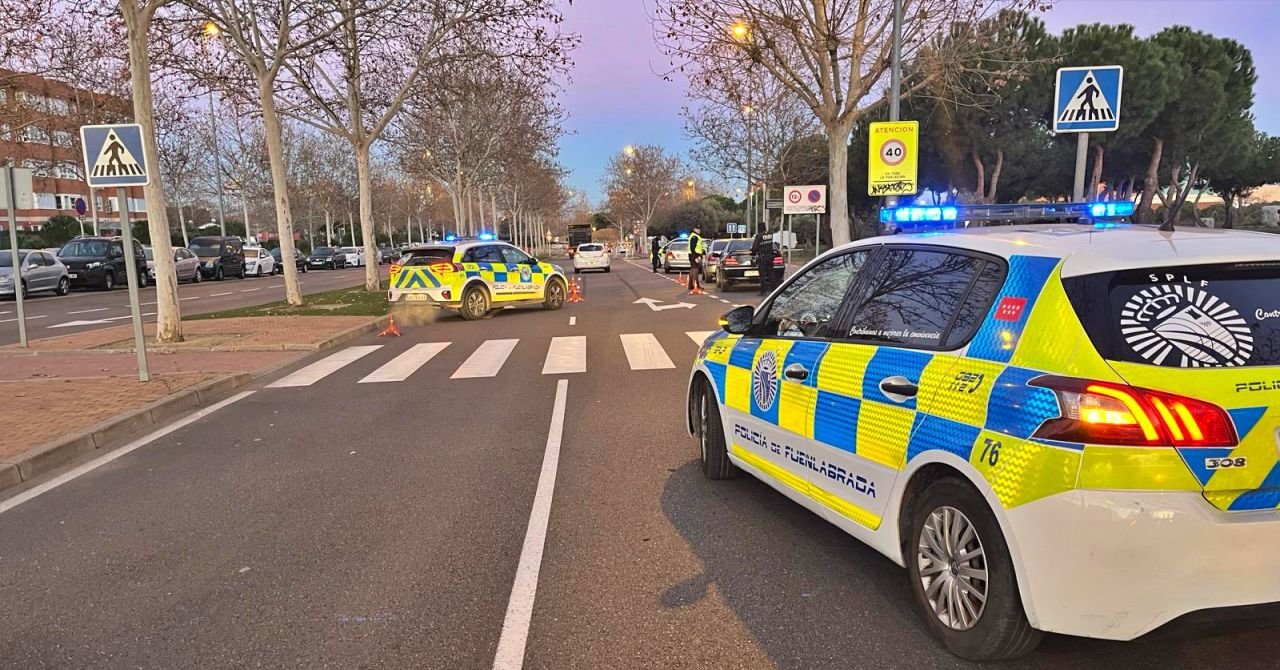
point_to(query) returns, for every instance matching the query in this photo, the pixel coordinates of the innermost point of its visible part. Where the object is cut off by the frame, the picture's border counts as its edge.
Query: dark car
(327, 258)
(99, 262)
(299, 260)
(738, 264)
(388, 255)
(219, 256)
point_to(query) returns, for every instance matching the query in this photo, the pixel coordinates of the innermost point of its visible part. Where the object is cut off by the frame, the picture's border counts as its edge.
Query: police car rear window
(1219, 315)
(427, 256)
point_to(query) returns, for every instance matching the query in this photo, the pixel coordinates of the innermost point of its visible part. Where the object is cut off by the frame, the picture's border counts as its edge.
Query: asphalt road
(323, 522)
(49, 315)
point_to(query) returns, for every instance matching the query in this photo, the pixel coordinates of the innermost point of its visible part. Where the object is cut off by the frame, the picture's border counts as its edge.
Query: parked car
(355, 255)
(327, 258)
(299, 260)
(259, 262)
(675, 256)
(219, 256)
(99, 262)
(185, 263)
(387, 255)
(738, 264)
(714, 250)
(590, 256)
(41, 271)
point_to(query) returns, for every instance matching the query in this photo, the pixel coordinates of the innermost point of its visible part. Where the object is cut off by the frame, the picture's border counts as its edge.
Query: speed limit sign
(892, 162)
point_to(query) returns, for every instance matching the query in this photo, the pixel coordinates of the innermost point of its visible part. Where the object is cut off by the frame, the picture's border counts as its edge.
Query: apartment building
(39, 130)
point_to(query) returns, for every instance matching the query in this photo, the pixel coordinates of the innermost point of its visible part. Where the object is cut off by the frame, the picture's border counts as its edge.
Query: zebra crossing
(563, 356)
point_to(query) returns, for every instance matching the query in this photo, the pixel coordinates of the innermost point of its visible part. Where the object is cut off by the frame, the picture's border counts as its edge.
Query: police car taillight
(445, 267)
(1096, 412)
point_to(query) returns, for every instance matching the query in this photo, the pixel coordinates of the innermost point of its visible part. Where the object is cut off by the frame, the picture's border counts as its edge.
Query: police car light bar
(995, 213)
(485, 237)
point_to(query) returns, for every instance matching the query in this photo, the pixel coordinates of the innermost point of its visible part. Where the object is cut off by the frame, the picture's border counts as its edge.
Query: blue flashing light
(485, 237)
(684, 236)
(918, 214)
(950, 214)
(450, 238)
(1111, 210)
(1098, 209)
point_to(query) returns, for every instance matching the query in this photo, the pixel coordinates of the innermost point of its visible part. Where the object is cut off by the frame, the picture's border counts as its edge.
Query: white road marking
(724, 301)
(194, 297)
(29, 318)
(486, 360)
(324, 367)
(251, 290)
(573, 321)
(215, 295)
(81, 311)
(96, 463)
(276, 286)
(406, 363)
(75, 324)
(128, 316)
(644, 352)
(515, 625)
(566, 355)
(699, 336)
(11, 311)
(146, 303)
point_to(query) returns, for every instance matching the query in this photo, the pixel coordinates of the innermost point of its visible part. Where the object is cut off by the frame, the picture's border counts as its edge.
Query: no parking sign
(804, 199)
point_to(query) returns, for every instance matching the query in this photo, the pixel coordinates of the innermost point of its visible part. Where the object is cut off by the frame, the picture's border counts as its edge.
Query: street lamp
(740, 31)
(629, 150)
(211, 31)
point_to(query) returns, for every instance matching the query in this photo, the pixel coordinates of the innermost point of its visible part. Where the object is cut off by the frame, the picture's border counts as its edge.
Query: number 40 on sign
(893, 158)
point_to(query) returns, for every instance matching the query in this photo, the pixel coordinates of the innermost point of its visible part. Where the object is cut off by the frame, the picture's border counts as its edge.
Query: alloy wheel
(953, 568)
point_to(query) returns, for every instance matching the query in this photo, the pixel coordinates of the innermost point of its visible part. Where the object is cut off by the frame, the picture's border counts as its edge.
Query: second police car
(473, 277)
(1066, 428)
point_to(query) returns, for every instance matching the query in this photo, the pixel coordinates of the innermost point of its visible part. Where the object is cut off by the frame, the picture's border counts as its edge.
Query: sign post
(1086, 99)
(805, 200)
(11, 203)
(115, 155)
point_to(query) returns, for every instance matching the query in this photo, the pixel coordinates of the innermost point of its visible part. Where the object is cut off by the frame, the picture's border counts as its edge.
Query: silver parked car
(185, 262)
(41, 271)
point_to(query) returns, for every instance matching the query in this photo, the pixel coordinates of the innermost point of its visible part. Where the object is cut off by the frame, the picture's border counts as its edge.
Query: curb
(53, 455)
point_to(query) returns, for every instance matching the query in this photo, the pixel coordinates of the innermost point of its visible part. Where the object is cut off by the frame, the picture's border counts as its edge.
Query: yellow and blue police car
(474, 276)
(1071, 428)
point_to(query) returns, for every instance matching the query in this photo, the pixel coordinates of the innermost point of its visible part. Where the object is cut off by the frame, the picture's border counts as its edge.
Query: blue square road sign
(114, 155)
(1087, 99)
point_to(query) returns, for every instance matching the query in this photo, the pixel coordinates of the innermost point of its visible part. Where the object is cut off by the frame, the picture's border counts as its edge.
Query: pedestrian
(762, 250)
(656, 247)
(697, 247)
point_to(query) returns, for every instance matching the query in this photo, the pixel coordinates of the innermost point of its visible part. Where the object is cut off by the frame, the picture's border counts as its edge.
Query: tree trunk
(1151, 183)
(1095, 176)
(365, 179)
(995, 176)
(182, 221)
(279, 188)
(980, 187)
(493, 208)
(244, 207)
(1183, 192)
(1228, 219)
(328, 228)
(168, 313)
(838, 181)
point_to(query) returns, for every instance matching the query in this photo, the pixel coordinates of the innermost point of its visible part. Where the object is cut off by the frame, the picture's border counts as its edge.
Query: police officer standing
(656, 247)
(762, 249)
(697, 247)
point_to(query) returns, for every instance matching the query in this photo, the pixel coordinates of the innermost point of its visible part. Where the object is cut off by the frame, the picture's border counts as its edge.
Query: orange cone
(681, 280)
(696, 290)
(390, 330)
(575, 291)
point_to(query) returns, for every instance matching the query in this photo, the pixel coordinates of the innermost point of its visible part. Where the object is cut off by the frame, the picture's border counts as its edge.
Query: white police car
(1067, 428)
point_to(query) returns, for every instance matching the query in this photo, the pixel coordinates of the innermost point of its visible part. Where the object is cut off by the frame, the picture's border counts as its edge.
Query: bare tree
(833, 55)
(639, 182)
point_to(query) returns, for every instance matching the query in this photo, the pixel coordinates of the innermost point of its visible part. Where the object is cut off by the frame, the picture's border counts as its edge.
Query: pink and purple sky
(618, 97)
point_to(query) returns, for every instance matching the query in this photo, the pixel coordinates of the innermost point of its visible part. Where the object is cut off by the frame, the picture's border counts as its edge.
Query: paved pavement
(371, 507)
(49, 315)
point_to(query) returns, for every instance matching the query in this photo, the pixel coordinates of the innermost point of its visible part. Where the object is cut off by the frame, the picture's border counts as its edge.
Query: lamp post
(211, 31)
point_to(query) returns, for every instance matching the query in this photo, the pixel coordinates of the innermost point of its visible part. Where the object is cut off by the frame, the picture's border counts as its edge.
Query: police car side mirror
(737, 321)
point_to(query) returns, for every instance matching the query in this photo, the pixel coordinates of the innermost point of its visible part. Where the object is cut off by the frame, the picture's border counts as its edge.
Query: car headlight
(6, 279)
(208, 264)
(93, 265)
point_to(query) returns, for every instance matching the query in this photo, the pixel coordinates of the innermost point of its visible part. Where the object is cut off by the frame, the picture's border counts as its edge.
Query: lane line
(251, 290)
(278, 285)
(29, 318)
(515, 625)
(194, 297)
(11, 311)
(699, 336)
(96, 463)
(644, 352)
(406, 363)
(215, 295)
(81, 311)
(573, 321)
(147, 303)
(324, 367)
(566, 355)
(486, 360)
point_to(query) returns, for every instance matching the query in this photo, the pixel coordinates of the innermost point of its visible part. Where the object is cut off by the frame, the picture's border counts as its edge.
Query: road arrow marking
(656, 305)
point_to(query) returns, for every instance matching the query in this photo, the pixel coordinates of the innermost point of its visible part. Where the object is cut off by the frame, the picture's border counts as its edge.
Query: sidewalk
(69, 395)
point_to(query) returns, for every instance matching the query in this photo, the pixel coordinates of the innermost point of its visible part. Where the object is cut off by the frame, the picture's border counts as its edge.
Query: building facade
(40, 120)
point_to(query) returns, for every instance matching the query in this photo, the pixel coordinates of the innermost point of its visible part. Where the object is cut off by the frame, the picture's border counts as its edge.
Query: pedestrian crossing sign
(114, 155)
(1087, 99)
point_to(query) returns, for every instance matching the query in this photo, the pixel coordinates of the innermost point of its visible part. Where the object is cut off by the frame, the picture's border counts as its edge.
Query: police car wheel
(475, 304)
(715, 457)
(554, 297)
(962, 577)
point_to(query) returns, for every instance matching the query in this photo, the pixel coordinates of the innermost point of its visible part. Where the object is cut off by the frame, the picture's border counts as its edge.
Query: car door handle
(899, 389)
(796, 371)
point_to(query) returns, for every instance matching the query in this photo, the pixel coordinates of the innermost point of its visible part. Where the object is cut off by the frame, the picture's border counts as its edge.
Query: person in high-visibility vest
(697, 247)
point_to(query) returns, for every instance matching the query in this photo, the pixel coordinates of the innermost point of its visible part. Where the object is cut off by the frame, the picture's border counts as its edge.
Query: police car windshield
(1192, 316)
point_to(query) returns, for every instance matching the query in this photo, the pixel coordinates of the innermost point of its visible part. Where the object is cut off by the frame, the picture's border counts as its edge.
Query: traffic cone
(681, 280)
(696, 290)
(575, 291)
(390, 330)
